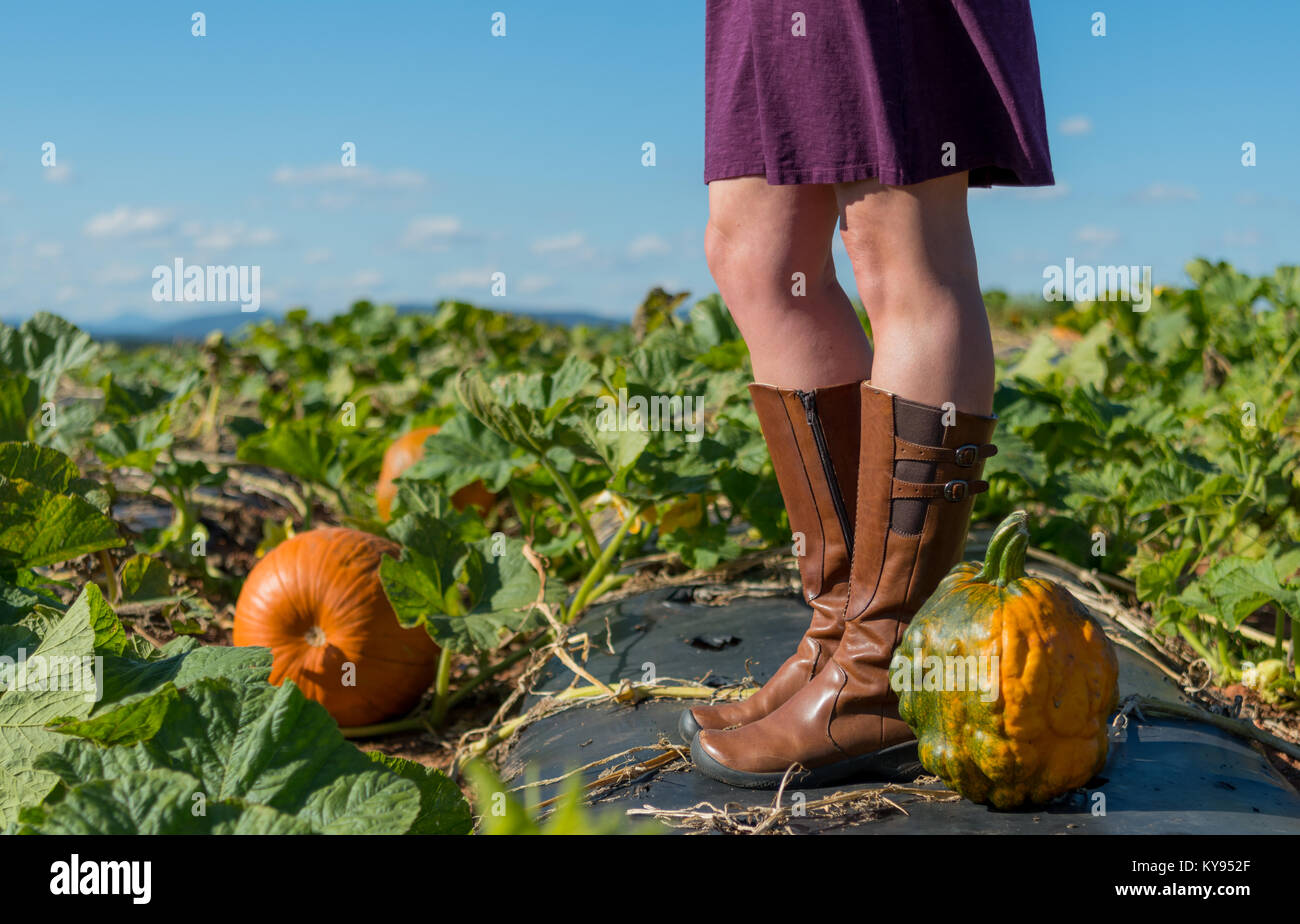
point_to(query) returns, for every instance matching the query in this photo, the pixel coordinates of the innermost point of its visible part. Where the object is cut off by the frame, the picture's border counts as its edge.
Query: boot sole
(896, 764)
(687, 727)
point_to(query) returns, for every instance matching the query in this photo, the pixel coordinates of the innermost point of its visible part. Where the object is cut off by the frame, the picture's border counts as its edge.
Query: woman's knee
(911, 252)
(754, 263)
(770, 242)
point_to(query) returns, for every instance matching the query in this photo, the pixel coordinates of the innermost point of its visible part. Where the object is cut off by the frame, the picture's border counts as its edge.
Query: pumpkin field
(318, 566)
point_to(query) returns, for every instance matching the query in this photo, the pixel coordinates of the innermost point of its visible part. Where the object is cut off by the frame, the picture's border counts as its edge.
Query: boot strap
(956, 490)
(963, 456)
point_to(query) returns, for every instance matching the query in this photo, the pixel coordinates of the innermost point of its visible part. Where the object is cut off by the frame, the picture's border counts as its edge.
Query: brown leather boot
(813, 439)
(917, 478)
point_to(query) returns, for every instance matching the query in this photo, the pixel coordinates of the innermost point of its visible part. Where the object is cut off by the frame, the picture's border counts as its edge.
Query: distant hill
(151, 330)
(563, 318)
(134, 330)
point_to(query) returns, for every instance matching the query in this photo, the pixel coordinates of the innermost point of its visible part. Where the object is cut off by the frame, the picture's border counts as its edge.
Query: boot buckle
(956, 490)
(966, 456)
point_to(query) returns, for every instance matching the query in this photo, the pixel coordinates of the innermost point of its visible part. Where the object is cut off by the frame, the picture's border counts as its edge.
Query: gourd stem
(1190, 637)
(1225, 656)
(600, 568)
(1295, 662)
(1004, 561)
(575, 506)
(111, 582)
(411, 723)
(442, 685)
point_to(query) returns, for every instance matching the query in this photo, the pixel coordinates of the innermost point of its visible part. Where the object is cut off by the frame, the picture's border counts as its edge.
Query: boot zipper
(809, 401)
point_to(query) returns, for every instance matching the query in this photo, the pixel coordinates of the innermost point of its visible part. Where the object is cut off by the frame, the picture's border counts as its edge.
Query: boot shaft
(813, 438)
(917, 473)
(914, 500)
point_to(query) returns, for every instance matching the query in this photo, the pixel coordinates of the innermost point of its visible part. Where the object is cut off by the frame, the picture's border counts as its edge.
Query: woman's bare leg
(914, 262)
(758, 237)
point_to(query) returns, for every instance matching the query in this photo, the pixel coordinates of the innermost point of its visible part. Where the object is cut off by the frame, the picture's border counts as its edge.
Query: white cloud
(124, 222)
(466, 278)
(1029, 255)
(1091, 234)
(1076, 125)
(317, 255)
(117, 274)
(432, 231)
(59, 173)
(48, 250)
(1249, 238)
(364, 176)
(1250, 199)
(65, 294)
(561, 243)
(1165, 192)
(222, 237)
(365, 279)
(531, 285)
(1059, 191)
(648, 245)
(332, 200)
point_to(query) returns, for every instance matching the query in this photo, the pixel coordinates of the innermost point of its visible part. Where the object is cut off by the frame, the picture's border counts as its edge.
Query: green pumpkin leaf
(182, 662)
(18, 595)
(302, 448)
(424, 579)
(463, 451)
(425, 585)
(523, 409)
(154, 802)
(136, 444)
(134, 722)
(124, 401)
(253, 743)
(619, 448)
(27, 704)
(48, 468)
(45, 348)
(88, 636)
(443, 809)
(1235, 587)
(18, 403)
(143, 577)
(41, 527)
(52, 470)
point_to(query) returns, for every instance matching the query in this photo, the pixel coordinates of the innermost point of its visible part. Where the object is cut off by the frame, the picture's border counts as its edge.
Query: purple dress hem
(902, 91)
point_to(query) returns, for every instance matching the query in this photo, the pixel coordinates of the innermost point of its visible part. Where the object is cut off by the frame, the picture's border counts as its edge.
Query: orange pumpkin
(401, 455)
(317, 602)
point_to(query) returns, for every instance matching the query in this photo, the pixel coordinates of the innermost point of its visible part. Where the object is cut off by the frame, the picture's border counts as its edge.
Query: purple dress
(899, 90)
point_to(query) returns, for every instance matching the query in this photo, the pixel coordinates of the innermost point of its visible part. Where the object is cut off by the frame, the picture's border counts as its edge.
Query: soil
(1268, 716)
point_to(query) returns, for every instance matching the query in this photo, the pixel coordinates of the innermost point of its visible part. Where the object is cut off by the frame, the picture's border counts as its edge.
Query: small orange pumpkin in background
(401, 455)
(317, 602)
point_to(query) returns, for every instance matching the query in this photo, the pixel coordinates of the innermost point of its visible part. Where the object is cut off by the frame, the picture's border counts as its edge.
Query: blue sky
(523, 153)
